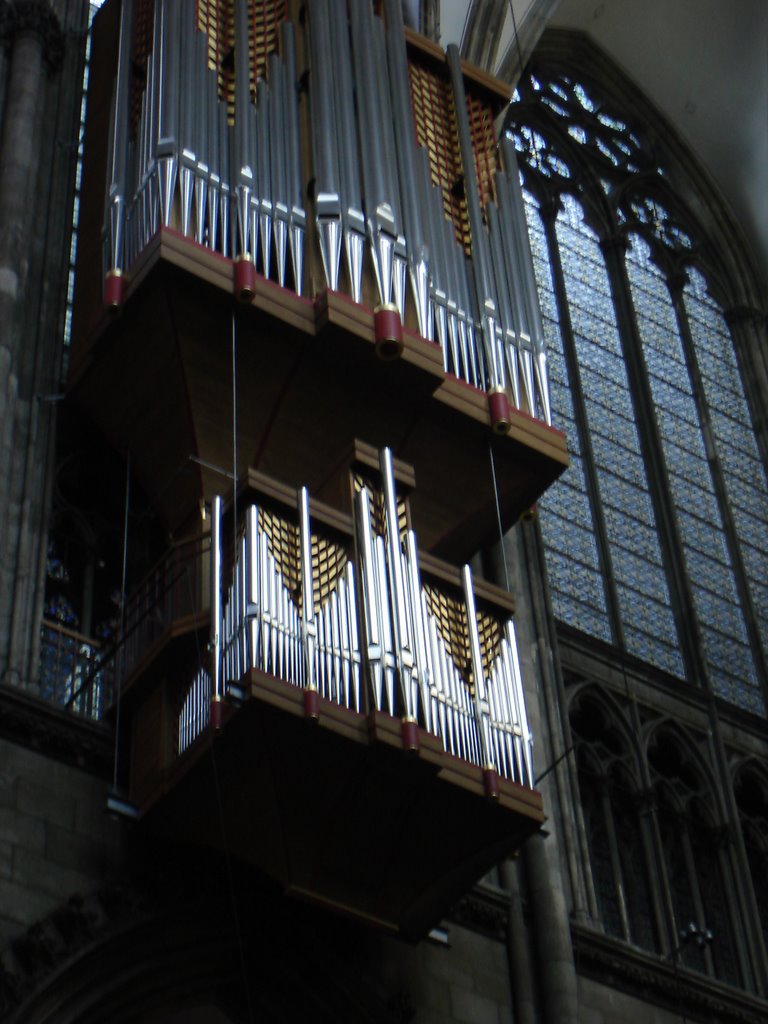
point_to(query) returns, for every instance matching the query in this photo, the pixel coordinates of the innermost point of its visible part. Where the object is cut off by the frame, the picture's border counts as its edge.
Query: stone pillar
(522, 970)
(749, 330)
(554, 882)
(27, 345)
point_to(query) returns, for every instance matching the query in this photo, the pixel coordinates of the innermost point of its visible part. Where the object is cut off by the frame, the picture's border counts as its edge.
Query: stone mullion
(744, 889)
(749, 331)
(661, 889)
(698, 903)
(549, 216)
(613, 846)
(648, 830)
(747, 954)
(675, 286)
(683, 607)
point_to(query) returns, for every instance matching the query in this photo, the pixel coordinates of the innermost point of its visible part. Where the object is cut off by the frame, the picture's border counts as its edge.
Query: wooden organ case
(309, 290)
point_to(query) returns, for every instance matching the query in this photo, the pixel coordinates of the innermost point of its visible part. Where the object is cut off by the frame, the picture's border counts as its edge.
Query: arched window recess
(614, 814)
(751, 795)
(695, 860)
(653, 535)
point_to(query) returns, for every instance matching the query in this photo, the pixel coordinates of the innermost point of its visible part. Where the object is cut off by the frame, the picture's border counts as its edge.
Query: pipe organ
(304, 281)
(410, 202)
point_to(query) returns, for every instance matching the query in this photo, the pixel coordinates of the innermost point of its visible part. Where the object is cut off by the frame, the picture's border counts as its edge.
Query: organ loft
(306, 319)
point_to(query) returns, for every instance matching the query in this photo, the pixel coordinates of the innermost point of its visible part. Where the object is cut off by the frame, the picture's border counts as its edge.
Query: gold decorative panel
(450, 615)
(329, 558)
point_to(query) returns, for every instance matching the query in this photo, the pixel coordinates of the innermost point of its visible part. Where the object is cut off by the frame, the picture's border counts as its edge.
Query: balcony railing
(362, 631)
(73, 671)
(173, 592)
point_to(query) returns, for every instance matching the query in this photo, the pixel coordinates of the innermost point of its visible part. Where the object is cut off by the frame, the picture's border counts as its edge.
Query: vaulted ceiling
(703, 63)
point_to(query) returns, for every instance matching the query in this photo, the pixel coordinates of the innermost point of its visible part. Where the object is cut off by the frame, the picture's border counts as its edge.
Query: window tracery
(652, 536)
(612, 808)
(695, 857)
(751, 792)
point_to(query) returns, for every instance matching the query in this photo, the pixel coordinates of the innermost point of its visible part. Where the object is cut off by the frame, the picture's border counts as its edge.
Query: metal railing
(172, 591)
(82, 675)
(73, 672)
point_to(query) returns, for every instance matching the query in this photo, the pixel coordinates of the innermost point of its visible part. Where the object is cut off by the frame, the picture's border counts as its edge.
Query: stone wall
(56, 840)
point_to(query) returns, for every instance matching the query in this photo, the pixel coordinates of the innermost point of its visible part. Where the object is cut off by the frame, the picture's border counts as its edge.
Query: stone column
(554, 883)
(35, 49)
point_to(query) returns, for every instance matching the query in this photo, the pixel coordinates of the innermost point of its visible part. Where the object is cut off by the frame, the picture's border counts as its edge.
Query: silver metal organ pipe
(481, 700)
(531, 295)
(327, 200)
(277, 162)
(398, 599)
(372, 632)
(480, 255)
(225, 192)
(166, 104)
(242, 141)
(308, 623)
(187, 147)
(393, 199)
(418, 254)
(379, 211)
(212, 111)
(216, 597)
(345, 136)
(262, 122)
(433, 214)
(506, 311)
(298, 217)
(516, 260)
(117, 177)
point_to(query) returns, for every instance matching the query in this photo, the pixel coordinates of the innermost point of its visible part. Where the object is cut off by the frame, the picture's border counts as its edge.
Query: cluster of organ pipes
(372, 643)
(195, 713)
(238, 188)
(234, 188)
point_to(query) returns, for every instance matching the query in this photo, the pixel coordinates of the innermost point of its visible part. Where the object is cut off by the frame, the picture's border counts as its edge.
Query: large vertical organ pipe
(345, 136)
(398, 602)
(530, 293)
(308, 622)
(327, 200)
(490, 774)
(277, 165)
(166, 106)
(215, 601)
(298, 217)
(245, 256)
(480, 254)
(114, 284)
(417, 253)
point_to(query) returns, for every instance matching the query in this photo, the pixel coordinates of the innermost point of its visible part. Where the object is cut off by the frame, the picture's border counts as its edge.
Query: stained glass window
(611, 573)
(640, 583)
(720, 620)
(576, 587)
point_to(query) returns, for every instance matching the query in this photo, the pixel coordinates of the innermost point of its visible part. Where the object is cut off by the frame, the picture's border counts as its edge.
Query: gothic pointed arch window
(696, 859)
(751, 791)
(615, 821)
(653, 537)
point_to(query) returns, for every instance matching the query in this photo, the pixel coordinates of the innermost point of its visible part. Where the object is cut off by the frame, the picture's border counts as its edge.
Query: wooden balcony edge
(310, 315)
(372, 729)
